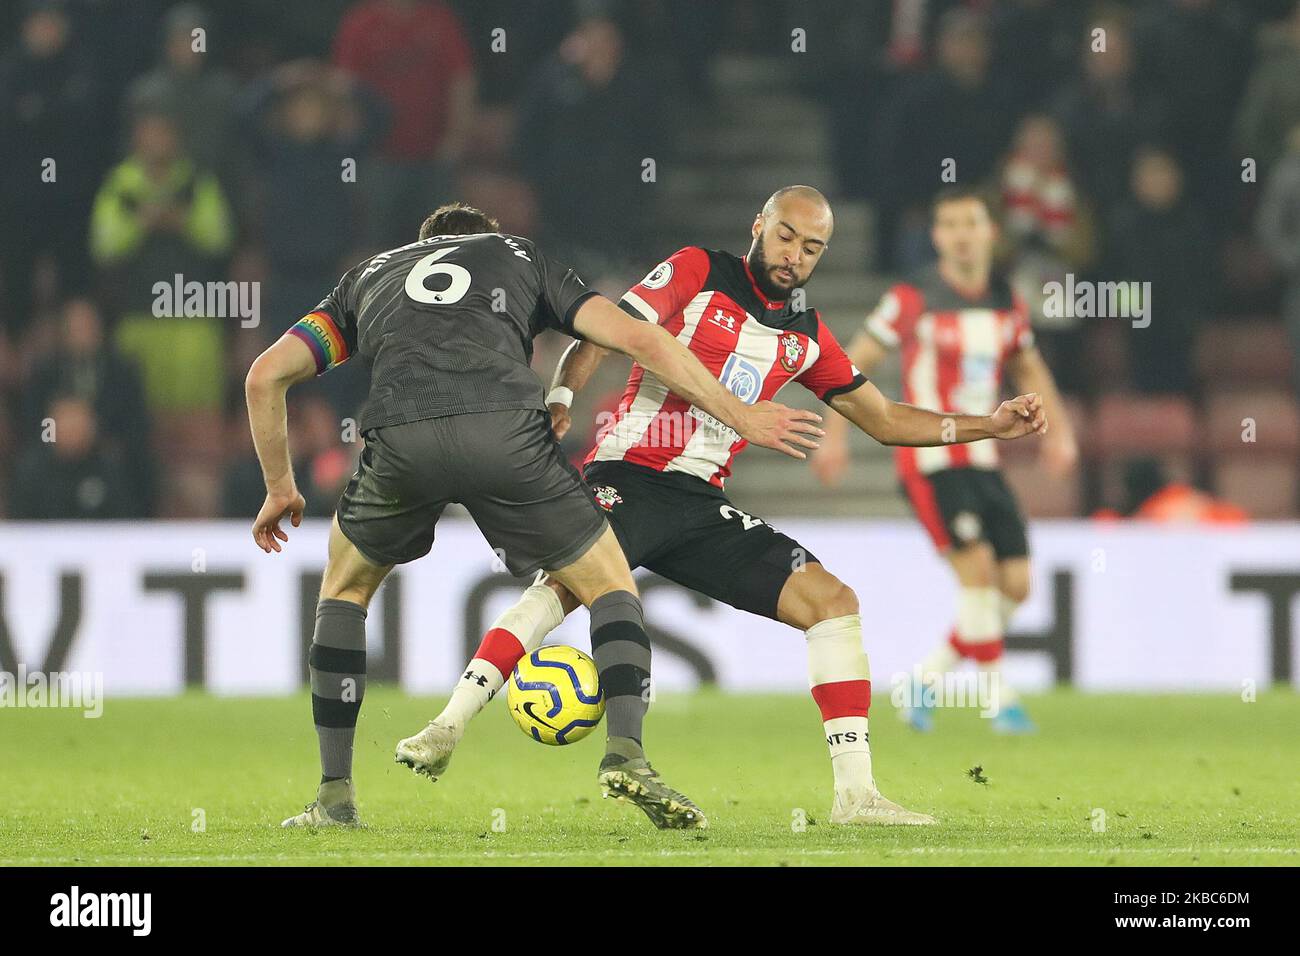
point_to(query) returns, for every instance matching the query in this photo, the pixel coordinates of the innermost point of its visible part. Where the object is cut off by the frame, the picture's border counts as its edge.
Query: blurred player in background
(455, 414)
(658, 470)
(960, 328)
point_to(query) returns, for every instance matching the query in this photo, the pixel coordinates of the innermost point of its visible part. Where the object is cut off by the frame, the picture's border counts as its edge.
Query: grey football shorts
(506, 469)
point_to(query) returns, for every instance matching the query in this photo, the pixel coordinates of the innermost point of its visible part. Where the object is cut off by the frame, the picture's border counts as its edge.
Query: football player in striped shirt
(960, 328)
(456, 414)
(658, 470)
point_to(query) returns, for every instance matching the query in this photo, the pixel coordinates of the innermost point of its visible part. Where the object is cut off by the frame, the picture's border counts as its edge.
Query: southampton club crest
(607, 497)
(791, 352)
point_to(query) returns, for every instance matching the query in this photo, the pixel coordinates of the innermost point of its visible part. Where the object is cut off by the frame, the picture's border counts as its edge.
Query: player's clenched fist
(780, 427)
(266, 528)
(1020, 416)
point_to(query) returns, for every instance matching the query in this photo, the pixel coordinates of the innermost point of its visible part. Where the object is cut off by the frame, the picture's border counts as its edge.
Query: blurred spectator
(1036, 41)
(326, 462)
(587, 124)
(855, 82)
(955, 113)
(1160, 236)
(200, 97)
(1047, 228)
(1195, 54)
(74, 475)
(158, 215)
(307, 122)
(322, 463)
(1105, 116)
(414, 54)
(85, 366)
(1271, 105)
(1278, 228)
(905, 85)
(49, 112)
(532, 31)
(1151, 496)
(1038, 195)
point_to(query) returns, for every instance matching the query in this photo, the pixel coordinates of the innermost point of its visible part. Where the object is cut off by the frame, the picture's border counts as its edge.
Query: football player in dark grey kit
(456, 414)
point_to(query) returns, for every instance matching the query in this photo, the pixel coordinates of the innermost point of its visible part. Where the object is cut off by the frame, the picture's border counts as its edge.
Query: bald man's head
(799, 197)
(790, 234)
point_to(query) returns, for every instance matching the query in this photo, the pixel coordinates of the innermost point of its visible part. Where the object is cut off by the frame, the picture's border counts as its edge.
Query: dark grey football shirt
(447, 324)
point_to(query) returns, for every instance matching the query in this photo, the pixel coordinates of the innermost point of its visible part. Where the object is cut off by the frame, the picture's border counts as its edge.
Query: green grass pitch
(1182, 780)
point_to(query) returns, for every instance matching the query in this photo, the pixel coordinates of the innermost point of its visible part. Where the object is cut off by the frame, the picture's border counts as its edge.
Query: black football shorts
(505, 467)
(962, 506)
(688, 531)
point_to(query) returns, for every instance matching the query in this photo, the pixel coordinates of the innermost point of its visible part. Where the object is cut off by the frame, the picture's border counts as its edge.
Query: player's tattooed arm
(572, 373)
(832, 460)
(1030, 373)
(897, 423)
(284, 364)
(769, 424)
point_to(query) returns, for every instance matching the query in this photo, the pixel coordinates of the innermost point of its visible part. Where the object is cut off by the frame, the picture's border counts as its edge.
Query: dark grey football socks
(337, 663)
(622, 652)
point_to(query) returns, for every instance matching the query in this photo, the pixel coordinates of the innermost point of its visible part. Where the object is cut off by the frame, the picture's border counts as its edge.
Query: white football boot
(335, 806)
(870, 808)
(429, 751)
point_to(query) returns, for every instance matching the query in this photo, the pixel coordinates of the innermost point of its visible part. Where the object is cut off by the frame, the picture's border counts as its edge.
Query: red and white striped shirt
(754, 345)
(953, 351)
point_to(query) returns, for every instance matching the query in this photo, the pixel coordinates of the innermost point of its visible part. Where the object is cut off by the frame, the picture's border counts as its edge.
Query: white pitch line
(561, 854)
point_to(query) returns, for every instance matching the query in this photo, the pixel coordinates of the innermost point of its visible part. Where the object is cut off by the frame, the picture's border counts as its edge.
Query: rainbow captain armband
(324, 339)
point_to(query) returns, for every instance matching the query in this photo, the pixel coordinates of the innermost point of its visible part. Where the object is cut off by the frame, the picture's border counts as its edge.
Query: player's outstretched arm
(284, 364)
(572, 373)
(896, 423)
(765, 423)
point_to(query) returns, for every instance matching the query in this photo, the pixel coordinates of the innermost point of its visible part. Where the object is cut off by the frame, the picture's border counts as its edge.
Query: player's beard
(759, 266)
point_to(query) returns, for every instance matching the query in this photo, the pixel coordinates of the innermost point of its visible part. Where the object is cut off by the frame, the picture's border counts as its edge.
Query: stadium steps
(729, 162)
(736, 137)
(742, 73)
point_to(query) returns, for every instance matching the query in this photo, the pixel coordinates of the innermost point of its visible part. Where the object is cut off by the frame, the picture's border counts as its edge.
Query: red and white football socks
(1001, 693)
(982, 616)
(1007, 607)
(518, 631)
(978, 635)
(840, 678)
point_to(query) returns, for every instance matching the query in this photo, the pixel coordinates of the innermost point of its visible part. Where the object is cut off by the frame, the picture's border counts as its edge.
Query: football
(554, 695)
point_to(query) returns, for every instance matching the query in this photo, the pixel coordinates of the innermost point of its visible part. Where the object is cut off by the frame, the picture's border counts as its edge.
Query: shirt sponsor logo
(742, 379)
(715, 428)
